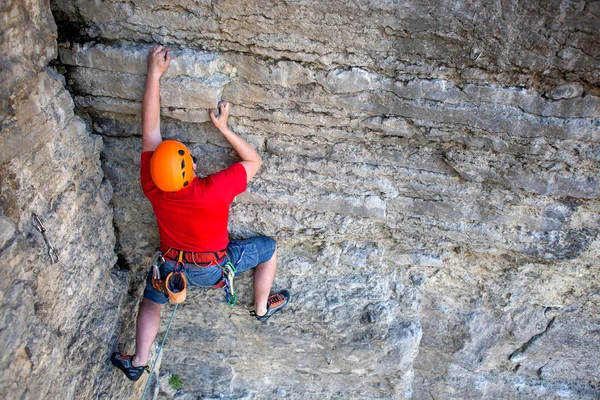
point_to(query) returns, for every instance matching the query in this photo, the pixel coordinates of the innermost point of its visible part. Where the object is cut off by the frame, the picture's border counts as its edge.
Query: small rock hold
(566, 91)
(567, 54)
(280, 392)
(475, 54)
(93, 31)
(7, 230)
(539, 325)
(389, 31)
(418, 279)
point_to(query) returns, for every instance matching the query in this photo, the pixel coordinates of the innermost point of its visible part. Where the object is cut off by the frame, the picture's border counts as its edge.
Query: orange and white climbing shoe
(275, 303)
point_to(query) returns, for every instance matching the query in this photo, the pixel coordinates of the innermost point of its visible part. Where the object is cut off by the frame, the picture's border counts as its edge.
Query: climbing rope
(40, 227)
(159, 351)
(229, 271)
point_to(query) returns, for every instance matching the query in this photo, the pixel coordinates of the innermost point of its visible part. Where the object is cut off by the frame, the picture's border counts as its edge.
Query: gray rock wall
(58, 320)
(430, 173)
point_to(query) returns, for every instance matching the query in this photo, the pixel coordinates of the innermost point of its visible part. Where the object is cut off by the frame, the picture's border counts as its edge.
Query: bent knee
(267, 249)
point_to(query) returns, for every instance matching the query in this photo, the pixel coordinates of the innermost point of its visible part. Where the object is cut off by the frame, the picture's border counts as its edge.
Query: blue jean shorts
(243, 254)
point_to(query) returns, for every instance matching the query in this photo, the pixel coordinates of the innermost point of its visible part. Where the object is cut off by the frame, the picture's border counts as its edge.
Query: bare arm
(158, 62)
(250, 158)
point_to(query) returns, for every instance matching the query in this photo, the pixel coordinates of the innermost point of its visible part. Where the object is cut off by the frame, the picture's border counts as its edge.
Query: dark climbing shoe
(123, 362)
(275, 303)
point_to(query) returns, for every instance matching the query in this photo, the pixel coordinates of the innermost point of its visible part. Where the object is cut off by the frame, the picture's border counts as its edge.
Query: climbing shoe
(123, 362)
(275, 302)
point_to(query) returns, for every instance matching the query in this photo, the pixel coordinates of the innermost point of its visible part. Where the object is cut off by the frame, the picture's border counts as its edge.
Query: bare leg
(264, 274)
(148, 322)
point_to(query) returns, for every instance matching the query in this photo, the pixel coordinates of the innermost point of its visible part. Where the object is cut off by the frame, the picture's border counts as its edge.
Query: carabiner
(37, 223)
(52, 254)
(158, 259)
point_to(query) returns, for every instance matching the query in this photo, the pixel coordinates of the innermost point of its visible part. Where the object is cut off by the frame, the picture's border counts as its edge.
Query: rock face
(430, 174)
(56, 317)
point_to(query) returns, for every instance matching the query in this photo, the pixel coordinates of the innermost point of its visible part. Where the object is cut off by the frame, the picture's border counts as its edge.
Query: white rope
(159, 351)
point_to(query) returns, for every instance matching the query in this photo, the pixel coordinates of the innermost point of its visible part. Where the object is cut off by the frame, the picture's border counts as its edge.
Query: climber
(192, 215)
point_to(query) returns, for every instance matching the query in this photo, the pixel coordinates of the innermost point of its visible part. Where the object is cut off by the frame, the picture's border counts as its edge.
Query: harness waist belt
(195, 257)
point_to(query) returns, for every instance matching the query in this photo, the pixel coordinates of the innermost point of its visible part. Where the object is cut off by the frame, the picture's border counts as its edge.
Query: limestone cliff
(57, 318)
(431, 175)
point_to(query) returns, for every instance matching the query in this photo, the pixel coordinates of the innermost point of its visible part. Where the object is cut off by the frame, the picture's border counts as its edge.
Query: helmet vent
(182, 164)
(185, 183)
(181, 152)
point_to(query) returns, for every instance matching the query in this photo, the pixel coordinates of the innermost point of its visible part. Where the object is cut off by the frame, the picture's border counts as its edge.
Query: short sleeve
(230, 182)
(145, 176)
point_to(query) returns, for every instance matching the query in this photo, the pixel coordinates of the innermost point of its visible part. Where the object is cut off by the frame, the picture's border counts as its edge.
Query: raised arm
(158, 62)
(250, 158)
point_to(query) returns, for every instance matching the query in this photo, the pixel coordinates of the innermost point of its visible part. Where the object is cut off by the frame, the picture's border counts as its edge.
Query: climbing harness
(174, 285)
(206, 259)
(40, 227)
(159, 351)
(167, 286)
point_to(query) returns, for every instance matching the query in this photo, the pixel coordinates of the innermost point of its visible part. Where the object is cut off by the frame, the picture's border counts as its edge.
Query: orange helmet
(171, 166)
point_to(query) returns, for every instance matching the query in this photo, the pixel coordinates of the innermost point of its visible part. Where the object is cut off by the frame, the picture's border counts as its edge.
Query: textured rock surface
(56, 318)
(430, 173)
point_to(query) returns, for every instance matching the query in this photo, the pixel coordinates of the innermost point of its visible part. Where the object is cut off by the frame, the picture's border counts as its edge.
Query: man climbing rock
(192, 215)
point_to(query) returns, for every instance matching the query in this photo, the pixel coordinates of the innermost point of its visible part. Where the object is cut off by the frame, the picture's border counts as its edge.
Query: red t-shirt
(194, 218)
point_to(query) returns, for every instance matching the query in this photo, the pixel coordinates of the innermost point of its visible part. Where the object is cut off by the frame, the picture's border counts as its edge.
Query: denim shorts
(243, 254)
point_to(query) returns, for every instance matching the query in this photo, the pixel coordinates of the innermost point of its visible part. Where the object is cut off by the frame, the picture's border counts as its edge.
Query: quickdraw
(229, 271)
(228, 274)
(40, 227)
(157, 282)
